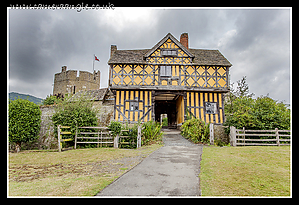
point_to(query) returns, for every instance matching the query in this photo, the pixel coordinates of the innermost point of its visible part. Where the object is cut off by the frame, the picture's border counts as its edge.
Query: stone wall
(47, 139)
(219, 134)
(67, 81)
(104, 112)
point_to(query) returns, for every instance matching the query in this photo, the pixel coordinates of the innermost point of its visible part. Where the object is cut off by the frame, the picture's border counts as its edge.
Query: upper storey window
(169, 52)
(165, 71)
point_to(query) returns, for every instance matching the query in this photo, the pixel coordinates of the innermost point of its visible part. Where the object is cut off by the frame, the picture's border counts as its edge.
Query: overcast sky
(255, 41)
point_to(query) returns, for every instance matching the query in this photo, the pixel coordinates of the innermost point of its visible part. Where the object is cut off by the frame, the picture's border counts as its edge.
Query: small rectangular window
(165, 71)
(169, 52)
(133, 105)
(162, 70)
(210, 108)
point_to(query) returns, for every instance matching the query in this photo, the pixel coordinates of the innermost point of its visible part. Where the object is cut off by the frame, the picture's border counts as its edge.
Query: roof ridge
(163, 40)
(133, 49)
(204, 49)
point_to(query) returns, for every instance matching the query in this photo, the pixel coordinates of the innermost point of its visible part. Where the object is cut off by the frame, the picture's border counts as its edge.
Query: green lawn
(81, 172)
(245, 171)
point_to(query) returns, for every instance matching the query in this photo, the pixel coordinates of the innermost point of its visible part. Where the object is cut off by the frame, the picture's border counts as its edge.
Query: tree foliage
(78, 112)
(52, 99)
(242, 89)
(24, 121)
(263, 113)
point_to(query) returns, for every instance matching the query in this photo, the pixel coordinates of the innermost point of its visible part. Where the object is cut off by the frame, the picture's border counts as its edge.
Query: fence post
(243, 137)
(115, 142)
(232, 136)
(211, 134)
(277, 137)
(139, 137)
(75, 145)
(59, 143)
(98, 138)
(101, 138)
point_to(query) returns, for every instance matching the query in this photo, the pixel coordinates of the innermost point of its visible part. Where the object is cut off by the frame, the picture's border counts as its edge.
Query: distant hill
(14, 95)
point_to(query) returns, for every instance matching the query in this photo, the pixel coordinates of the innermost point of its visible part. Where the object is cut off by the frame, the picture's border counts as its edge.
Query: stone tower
(71, 82)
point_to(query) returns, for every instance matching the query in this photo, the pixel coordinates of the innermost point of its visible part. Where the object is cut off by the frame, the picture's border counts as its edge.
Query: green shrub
(196, 130)
(132, 133)
(220, 143)
(262, 113)
(151, 133)
(115, 127)
(24, 121)
(51, 99)
(74, 113)
(165, 121)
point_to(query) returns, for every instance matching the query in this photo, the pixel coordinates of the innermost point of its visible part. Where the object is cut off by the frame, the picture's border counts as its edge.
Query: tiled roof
(208, 57)
(202, 57)
(199, 56)
(128, 56)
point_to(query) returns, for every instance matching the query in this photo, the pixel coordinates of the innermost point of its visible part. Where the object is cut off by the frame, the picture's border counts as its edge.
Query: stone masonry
(69, 82)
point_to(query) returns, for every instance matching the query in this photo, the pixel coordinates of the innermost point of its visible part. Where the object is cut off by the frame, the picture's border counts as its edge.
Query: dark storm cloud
(25, 45)
(41, 41)
(256, 42)
(260, 49)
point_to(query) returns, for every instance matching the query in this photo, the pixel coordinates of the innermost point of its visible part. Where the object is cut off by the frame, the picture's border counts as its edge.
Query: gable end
(160, 43)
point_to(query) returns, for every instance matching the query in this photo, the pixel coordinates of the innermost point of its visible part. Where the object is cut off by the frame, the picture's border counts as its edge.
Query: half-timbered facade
(171, 79)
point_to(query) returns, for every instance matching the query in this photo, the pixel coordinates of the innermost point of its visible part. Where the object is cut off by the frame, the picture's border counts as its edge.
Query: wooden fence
(238, 137)
(117, 139)
(101, 136)
(60, 134)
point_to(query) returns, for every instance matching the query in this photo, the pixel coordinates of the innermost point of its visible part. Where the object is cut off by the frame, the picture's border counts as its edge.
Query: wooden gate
(242, 137)
(60, 133)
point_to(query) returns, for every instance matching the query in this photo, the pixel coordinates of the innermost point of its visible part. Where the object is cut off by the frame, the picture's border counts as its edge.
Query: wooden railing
(102, 133)
(60, 134)
(101, 136)
(242, 137)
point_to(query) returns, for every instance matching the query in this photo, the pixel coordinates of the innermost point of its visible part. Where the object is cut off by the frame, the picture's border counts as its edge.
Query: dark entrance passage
(166, 104)
(166, 107)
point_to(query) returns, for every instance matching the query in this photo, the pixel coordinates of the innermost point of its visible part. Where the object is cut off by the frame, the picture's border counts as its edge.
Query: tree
(270, 114)
(243, 88)
(77, 111)
(241, 113)
(262, 113)
(24, 122)
(52, 99)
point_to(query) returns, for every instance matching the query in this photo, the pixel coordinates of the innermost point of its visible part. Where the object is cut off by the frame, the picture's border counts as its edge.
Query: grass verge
(245, 171)
(82, 172)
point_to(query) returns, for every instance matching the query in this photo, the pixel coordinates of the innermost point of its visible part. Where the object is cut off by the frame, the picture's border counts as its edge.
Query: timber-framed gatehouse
(169, 78)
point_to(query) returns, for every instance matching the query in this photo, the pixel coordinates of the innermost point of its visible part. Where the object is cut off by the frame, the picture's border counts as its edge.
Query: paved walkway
(171, 170)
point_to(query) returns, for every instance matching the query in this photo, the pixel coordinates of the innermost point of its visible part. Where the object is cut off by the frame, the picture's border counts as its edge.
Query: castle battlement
(73, 81)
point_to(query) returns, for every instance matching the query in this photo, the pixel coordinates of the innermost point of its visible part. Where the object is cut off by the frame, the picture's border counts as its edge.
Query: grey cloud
(256, 42)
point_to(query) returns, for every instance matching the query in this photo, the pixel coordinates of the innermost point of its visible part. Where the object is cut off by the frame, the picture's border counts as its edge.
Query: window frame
(165, 71)
(134, 104)
(213, 110)
(169, 50)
